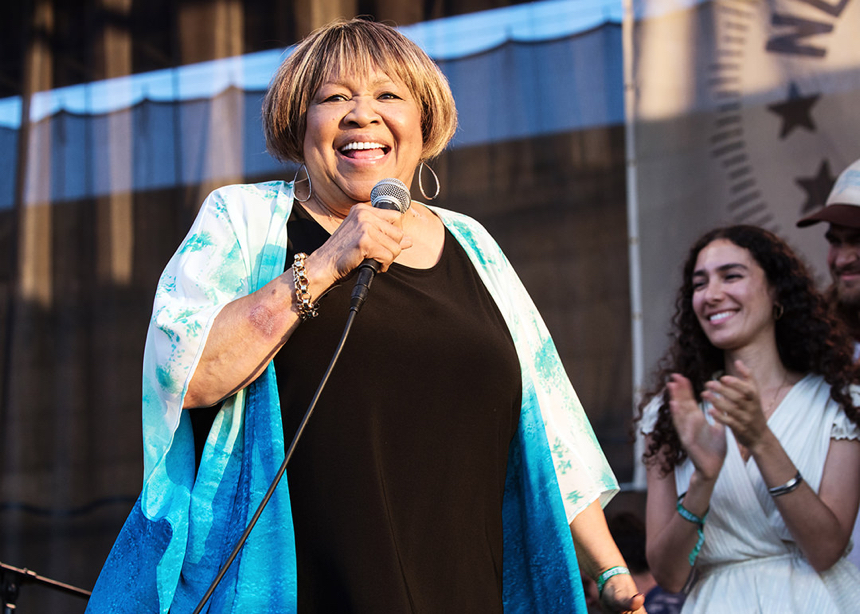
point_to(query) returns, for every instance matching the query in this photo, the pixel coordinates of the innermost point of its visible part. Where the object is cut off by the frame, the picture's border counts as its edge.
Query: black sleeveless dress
(396, 485)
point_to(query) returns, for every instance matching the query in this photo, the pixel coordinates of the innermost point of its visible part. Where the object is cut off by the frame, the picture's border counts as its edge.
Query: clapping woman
(752, 437)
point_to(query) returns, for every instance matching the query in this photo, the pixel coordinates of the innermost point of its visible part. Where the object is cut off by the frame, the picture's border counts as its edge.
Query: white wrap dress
(749, 562)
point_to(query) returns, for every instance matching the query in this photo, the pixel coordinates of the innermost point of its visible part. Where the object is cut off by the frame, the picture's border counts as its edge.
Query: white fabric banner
(745, 112)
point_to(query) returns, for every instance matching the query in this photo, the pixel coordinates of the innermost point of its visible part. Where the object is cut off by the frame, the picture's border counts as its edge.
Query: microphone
(387, 194)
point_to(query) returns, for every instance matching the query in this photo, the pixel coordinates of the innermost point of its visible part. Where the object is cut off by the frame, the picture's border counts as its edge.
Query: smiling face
(360, 128)
(731, 297)
(843, 259)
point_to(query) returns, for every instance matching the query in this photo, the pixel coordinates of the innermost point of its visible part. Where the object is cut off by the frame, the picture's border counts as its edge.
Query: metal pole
(630, 96)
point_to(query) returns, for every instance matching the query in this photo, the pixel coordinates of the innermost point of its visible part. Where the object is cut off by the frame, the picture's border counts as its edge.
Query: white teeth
(717, 317)
(370, 145)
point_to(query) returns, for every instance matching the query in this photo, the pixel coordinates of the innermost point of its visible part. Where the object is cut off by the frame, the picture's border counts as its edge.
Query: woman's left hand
(736, 403)
(620, 596)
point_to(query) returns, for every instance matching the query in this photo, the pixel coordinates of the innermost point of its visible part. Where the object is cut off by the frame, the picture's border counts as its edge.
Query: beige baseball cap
(843, 203)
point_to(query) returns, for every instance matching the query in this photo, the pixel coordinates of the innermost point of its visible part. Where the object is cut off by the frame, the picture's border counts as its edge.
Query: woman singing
(448, 460)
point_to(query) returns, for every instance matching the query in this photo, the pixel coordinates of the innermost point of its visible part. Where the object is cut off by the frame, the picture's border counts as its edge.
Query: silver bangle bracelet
(786, 488)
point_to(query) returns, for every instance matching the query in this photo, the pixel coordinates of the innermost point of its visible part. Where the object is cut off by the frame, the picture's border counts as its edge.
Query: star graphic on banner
(817, 188)
(796, 111)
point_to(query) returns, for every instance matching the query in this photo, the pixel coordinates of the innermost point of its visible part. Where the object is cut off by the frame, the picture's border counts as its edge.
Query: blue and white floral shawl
(183, 526)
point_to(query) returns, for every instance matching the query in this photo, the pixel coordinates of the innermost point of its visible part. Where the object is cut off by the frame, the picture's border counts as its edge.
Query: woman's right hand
(261, 322)
(704, 442)
(366, 232)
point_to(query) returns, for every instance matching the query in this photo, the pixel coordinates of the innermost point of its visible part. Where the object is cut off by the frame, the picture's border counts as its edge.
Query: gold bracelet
(307, 309)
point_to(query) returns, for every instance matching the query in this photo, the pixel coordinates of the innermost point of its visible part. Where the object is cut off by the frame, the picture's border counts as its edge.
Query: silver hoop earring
(421, 183)
(310, 186)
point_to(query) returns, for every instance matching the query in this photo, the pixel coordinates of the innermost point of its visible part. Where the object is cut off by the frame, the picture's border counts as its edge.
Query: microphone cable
(353, 311)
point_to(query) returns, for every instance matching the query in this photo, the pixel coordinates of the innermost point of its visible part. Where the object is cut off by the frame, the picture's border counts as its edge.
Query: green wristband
(700, 528)
(605, 575)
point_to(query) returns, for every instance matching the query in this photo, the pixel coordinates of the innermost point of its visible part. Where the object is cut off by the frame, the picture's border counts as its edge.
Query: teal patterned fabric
(183, 526)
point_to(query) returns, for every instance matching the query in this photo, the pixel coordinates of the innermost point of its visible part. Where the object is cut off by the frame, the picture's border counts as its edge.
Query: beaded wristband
(307, 309)
(700, 528)
(786, 488)
(605, 575)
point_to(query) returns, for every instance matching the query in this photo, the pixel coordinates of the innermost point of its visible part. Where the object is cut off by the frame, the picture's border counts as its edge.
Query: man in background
(842, 213)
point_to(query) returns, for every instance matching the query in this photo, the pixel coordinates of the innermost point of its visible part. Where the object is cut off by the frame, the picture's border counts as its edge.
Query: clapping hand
(737, 404)
(704, 442)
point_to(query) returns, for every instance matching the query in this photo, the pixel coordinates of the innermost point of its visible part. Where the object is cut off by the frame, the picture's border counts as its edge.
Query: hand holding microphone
(386, 194)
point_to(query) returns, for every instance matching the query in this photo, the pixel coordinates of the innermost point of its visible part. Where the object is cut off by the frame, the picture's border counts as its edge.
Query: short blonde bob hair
(354, 46)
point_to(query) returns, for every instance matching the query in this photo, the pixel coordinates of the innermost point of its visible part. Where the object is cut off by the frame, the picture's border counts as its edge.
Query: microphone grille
(391, 194)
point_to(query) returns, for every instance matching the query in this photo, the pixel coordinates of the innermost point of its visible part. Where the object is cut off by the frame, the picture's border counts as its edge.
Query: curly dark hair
(808, 338)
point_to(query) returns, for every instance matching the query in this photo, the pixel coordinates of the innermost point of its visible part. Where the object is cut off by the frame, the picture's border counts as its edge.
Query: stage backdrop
(743, 112)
